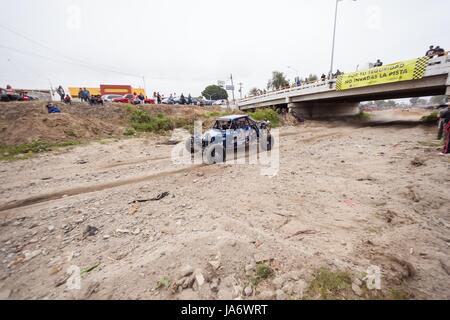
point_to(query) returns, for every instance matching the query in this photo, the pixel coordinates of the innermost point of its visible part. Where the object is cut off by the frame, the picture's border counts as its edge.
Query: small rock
(187, 270)
(249, 267)
(248, 291)
(51, 228)
(260, 257)
(106, 236)
(31, 254)
(199, 279)
(90, 231)
(356, 289)
(136, 231)
(215, 264)
(214, 285)
(123, 231)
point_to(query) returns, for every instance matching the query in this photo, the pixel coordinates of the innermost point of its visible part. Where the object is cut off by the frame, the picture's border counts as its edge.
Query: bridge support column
(317, 110)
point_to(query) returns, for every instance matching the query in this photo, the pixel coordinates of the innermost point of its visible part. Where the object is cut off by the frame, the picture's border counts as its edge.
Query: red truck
(131, 98)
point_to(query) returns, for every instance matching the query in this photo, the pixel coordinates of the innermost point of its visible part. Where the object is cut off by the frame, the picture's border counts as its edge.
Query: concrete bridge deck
(322, 98)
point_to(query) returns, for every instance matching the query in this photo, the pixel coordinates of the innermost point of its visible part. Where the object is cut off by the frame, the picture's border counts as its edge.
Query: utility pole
(143, 81)
(232, 85)
(334, 36)
(240, 89)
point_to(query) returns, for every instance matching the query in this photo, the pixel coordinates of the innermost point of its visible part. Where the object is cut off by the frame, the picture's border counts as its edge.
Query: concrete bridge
(322, 99)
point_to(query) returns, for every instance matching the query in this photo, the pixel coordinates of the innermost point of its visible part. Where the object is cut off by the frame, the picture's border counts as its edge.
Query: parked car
(219, 102)
(110, 97)
(131, 98)
(208, 102)
(168, 101)
(227, 135)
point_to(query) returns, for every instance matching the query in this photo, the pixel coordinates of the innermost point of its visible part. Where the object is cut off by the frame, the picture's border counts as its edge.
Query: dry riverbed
(345, 198)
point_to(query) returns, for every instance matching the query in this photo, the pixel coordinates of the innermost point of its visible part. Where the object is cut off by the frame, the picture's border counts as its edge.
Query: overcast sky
(182, 46)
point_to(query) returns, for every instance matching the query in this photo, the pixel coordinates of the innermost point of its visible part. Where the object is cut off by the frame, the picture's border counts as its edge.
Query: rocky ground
(345, 198)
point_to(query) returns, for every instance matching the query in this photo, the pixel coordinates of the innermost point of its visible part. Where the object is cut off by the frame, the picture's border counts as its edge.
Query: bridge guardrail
(432, 62)
(297, 88)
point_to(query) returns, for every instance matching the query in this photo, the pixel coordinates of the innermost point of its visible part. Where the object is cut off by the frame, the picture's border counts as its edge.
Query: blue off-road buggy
(229, 134)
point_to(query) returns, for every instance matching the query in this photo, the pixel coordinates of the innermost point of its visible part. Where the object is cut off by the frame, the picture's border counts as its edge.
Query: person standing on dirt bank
(158, 98)
(441, 124)
(85, 95)
(61, 92)
(445, 117)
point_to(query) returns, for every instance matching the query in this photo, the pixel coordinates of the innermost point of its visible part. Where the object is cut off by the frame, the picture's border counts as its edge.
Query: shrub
(329, 284)
(266, 115)
(140, 116)
(36, 146)
(143, 122)
(129, 132)
(431, 118)
(263, 272)
(363, 116)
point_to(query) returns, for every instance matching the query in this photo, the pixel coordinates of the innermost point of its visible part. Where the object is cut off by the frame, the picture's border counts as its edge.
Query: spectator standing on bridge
(431, 52)
(323, 77)
(445, 116)
(378, 63)
(440, 52)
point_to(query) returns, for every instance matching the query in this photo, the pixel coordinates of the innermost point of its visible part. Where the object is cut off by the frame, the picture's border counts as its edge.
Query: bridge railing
(331, 83)
(316, 84)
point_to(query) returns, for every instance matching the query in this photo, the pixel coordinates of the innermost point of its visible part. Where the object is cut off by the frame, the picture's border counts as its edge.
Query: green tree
(278, 81)
(214, 92)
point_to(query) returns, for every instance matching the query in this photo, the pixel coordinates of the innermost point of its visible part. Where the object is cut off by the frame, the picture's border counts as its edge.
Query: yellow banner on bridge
(400, 71)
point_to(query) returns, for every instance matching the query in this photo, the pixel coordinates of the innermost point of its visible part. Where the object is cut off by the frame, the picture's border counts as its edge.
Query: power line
(65, 61)
(65, 56)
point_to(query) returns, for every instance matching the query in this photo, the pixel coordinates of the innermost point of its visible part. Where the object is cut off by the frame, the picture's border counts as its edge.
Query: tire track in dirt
(109, 185)
(88, 189)
(130, 162)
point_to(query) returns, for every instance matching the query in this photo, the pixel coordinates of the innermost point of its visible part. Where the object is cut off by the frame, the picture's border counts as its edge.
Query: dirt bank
(23, 122)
